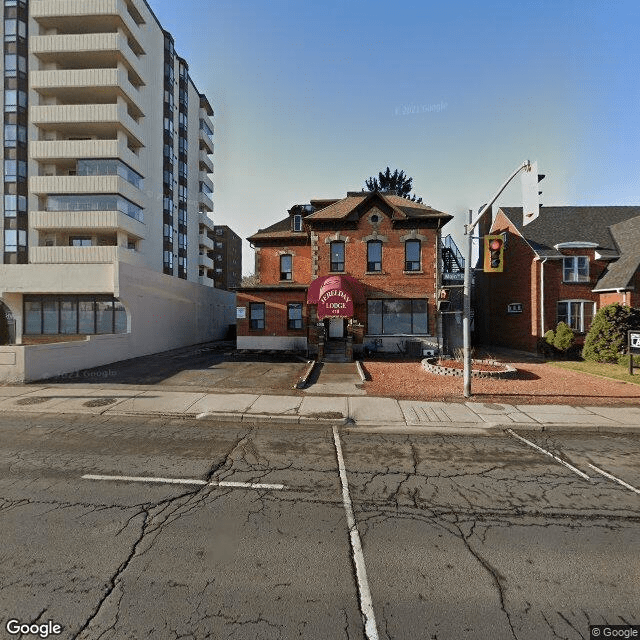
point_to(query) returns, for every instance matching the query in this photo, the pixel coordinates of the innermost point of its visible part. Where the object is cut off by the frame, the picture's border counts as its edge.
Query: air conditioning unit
(429, 353)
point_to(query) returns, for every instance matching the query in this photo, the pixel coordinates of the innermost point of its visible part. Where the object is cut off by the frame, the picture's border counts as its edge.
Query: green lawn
(615, 371)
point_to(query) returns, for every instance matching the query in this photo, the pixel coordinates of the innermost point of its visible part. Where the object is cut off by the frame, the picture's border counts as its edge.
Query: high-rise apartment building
(227, 258)
(107, 197)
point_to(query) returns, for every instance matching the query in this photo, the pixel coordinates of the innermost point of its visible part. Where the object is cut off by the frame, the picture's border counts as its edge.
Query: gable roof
(571, 224)
(401, 207)
(619, 273)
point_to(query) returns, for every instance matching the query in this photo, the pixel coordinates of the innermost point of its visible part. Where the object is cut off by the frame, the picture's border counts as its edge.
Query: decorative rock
(431, 365)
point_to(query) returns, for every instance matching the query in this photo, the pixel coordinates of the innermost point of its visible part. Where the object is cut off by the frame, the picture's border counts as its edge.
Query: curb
(361, 372)
(302, 382)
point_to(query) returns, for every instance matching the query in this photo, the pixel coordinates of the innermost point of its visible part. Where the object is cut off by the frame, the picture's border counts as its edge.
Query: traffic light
(530, 194)
(443, 300)
(493, 254)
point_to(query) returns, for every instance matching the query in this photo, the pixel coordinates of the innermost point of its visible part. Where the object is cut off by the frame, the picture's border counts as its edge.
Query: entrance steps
(335, 351)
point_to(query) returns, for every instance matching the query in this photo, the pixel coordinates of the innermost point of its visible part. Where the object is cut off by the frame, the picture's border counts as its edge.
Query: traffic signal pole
(466, 313)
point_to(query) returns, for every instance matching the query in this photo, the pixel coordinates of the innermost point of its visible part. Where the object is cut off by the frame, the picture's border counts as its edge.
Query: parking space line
(548, 453)
(608, 475)
(366, 604)
(222, 483)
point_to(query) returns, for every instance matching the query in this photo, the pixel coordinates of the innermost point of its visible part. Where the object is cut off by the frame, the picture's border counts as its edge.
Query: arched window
(337, 256)
(286, 267)
(412, 255)
(374, 255)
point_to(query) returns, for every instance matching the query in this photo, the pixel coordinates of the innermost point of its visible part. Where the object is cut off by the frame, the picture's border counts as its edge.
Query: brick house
(563, 266)
(357, 271)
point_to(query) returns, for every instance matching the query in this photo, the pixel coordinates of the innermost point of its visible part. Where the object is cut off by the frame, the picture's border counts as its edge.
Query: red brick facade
(527, 277)
(354, 221)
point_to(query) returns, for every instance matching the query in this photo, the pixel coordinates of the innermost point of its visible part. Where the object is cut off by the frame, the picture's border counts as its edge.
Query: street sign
(633, 342)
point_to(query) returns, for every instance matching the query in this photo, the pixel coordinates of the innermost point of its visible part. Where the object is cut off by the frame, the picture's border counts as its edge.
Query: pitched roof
(281, 229)
(402, 207)
(571, 224)
(619, 273)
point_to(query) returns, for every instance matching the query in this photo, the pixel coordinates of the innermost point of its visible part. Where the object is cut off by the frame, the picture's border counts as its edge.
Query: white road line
(366, 605)
(144, 479)
(248, 485)
(608, 475)
(548, 453)
(236, 485)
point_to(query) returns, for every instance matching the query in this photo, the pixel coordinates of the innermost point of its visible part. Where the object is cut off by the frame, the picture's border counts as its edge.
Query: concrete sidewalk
(371, 413)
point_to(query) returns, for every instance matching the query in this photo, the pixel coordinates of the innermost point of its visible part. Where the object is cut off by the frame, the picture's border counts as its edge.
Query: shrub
(558, 343)
(4, 329)
(564, 337)
(623, 360)
(607, 338)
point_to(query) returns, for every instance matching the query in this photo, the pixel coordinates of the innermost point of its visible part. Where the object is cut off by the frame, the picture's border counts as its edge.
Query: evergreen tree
(396, 181)
(607, 337)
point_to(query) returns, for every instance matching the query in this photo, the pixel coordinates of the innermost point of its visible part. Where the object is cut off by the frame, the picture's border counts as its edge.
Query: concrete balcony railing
(84, 116)
(206, 180)
(87, 84)
(205, 241)
(72, 14)
(205, 161)
(205, 202)
(84, 255)
(205, 261)
(51, 150)
(86, 220)
(206, 281)
(205, 142)
(44, 185)
(205, 220)
(110, 46)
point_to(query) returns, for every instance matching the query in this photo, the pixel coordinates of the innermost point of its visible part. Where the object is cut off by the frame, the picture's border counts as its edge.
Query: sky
(312, 98)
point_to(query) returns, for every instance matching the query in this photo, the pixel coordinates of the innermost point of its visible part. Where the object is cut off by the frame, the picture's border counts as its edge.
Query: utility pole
(468, 231)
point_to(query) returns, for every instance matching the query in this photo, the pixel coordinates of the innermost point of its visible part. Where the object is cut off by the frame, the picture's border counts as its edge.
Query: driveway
(207, 368)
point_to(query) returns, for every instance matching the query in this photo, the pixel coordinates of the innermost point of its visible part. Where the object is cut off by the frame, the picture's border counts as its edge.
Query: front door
(336, 328)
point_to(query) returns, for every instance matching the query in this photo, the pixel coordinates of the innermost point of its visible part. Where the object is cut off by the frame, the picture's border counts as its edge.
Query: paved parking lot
(130, 527)
(208, 368)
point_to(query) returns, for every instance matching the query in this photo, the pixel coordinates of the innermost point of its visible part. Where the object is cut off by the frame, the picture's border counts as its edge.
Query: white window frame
(575, 275)
(566, 318)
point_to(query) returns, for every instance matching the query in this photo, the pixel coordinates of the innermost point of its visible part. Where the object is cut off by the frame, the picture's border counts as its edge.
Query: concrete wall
(163, 313)
(280, 343)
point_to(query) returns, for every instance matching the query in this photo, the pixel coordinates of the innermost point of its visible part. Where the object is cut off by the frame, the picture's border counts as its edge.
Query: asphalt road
(462, 537)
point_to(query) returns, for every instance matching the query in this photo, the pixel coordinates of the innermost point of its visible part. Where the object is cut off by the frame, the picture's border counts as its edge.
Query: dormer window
(575, 269)
(297, 222)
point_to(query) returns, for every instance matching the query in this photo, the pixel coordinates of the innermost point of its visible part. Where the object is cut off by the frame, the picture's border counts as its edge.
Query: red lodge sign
(334, 296)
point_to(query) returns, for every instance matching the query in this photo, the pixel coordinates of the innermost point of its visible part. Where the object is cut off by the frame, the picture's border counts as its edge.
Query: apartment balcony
(45, 185)
(84, 221)
(206, 143)
(88, 86)
(205, 261)
(101, 120)
(205, 202)
(87, 50)
(205, 280)
(206, 164)
(205, 241)
(50, 151)
(205, 220)
(84, 255)
(206, 180)
(87, 16)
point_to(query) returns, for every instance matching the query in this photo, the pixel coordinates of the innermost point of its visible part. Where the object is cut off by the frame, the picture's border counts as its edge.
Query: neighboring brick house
(360, 270)
(227, 258)
(563, 266)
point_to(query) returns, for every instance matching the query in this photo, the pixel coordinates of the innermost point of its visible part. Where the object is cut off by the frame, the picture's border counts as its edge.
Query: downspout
(542, 297)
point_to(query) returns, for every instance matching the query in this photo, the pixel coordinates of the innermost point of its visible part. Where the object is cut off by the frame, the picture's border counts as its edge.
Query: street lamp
(530, 179)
